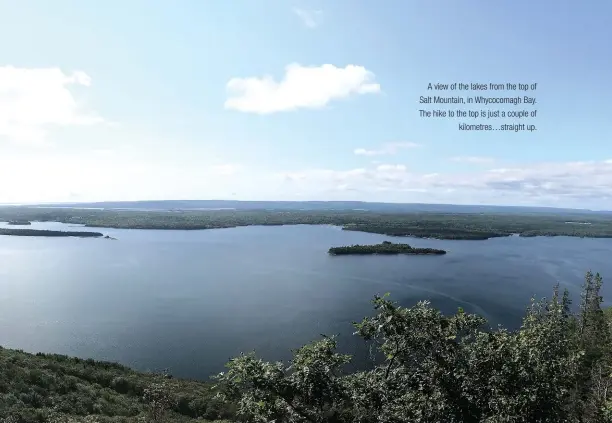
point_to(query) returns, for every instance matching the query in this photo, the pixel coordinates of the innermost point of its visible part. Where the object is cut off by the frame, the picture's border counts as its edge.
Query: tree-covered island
(19, 222)
(42, 232)
(384, 247)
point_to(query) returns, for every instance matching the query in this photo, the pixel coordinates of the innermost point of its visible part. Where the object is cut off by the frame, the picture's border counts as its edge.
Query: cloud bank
(571, 184)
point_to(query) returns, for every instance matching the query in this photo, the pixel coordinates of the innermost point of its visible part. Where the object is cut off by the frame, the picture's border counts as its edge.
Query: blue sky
(271, 99)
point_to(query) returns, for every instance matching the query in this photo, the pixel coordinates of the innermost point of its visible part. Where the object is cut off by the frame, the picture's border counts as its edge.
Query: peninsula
(41, 232)
(385, 247)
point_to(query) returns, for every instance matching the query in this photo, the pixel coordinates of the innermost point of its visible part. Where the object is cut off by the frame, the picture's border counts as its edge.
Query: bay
(187, 301)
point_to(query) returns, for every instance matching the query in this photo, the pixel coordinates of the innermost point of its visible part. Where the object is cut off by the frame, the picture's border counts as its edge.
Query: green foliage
(50, 387)
(307, 390)
(436, 368)
(385, 247)
(160, 401)
(471, 226)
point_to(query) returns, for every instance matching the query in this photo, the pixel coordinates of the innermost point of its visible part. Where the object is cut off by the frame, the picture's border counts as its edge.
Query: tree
(436, 368)
(593, 338)
(308, 390)
(160, 401)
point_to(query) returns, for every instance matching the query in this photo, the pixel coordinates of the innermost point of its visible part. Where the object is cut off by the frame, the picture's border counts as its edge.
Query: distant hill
(316, 205)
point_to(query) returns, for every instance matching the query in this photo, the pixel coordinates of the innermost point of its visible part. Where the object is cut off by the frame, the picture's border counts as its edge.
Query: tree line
(468, 226)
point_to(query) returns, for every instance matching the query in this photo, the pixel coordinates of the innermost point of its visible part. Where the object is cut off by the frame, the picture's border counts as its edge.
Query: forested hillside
(50, 387)
(469, 226)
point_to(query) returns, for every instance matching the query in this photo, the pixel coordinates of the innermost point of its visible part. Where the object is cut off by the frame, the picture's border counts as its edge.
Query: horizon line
(49, 203)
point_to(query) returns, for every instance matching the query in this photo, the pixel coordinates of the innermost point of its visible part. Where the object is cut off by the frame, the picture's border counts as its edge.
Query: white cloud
(572, 184)
(473, 159)
(387, 149)
(34, 100)
(225, 169)
(310, 18)
(308, 87)
(391, 168)
(104, 152)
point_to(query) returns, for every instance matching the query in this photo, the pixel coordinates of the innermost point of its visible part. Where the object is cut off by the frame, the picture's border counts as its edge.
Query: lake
(189, 300)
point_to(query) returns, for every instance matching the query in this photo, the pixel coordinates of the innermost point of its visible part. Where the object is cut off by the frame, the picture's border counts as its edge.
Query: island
(19, 222)
(42, 232)
(385, 247)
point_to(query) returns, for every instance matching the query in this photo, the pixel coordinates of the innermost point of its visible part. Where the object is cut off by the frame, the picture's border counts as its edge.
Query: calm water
(190, 300)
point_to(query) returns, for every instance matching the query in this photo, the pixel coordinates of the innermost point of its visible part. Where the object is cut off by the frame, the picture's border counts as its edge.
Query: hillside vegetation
(469, 226)
(426, 367)
(50, 387)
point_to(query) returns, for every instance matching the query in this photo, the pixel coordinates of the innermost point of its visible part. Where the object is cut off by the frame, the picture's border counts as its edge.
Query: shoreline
(424, 225)
(475, 236)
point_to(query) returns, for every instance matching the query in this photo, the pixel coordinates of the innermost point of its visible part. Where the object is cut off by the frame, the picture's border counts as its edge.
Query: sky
(301, 100)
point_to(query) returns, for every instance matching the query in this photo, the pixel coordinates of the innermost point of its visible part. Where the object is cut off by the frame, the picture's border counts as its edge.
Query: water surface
(190, 300)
